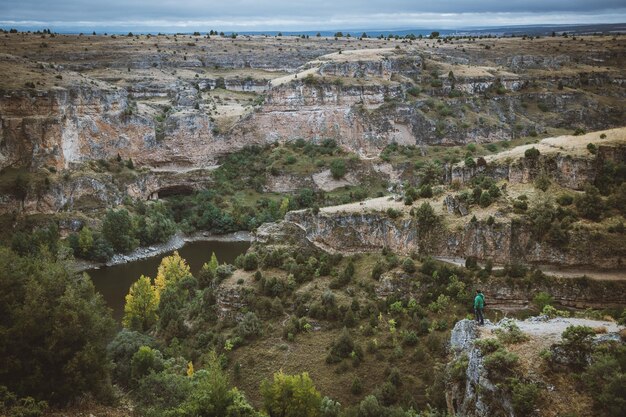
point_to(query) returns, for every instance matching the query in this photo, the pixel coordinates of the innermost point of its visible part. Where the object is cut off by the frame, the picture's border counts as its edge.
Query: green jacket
(479, 301)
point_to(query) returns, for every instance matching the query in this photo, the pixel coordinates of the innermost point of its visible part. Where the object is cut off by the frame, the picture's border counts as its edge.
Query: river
(114, 281)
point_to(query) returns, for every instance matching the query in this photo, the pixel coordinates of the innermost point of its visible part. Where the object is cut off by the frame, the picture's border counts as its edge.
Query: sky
(294, 15)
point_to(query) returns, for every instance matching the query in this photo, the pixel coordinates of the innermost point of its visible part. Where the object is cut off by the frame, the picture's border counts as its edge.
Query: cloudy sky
(294, 15)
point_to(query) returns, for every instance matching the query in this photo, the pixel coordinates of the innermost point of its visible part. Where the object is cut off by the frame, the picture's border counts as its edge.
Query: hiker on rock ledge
(479, 304)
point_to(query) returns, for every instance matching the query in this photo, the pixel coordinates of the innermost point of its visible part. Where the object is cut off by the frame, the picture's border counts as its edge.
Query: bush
(593, 149)
(590, 204)
(250, 326)
(121, 350)
(510, 333)
(144, 361)
(565, 200)
(485, 199)
(542, 299)
(501, 362)
(524, 397)
(338, 168)
(408, 266)
(344, 346)
(357, 386)
(606, 380)
(576, 345)
(250, 262)
(531, 153)
(542, 182)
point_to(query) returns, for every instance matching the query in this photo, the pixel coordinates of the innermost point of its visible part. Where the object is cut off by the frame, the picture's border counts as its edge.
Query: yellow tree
(140, 310)
(171, 270)
(284, 206)
(291, 396)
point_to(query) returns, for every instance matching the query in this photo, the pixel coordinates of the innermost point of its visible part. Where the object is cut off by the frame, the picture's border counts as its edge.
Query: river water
(114, 281)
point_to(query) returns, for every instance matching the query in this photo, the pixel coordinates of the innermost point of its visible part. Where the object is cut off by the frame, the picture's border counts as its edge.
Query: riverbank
(174, 243)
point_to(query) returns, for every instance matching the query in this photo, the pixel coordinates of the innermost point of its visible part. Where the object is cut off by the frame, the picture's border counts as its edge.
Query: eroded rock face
(476, 395)
(568, 171)
(505, 241)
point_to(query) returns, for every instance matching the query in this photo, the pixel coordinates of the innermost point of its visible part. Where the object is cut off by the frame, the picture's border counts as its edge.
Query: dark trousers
(478, 312)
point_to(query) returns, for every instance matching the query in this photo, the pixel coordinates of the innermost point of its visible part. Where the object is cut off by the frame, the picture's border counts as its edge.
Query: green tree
(428, 225)
(140, 310)
(54, 329)
(117, 228)
(590, 204)
(144, 361)
(121, 350)
(338, 168)
(291, 396)
(85, 241)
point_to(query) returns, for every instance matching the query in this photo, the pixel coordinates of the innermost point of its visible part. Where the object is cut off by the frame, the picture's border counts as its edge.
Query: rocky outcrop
(476, 395)
(569, 171)
(504, 241)
(472, 392)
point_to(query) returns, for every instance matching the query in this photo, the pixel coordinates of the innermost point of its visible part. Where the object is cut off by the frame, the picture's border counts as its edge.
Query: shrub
(576, 345)
(250, 326)
(501, 362)
(590, 204)
(344, 346)
(469, 162)
(606, 380)
(458, 368)
(144, 361)
(565, 199)
(524, 397)
(579, 131)
(510, 333)
(531, 153)
(251, 262)
(593, 149)
(542, 182)
(485, 199)
(488, 346)
(542, 299)
(408, 266)
(338, 168)
(329, 408)
(356, 387)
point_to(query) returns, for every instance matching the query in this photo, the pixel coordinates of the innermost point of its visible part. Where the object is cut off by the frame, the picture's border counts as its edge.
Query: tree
(284, 206)
(85, 241)
(54, 329)
(428, 223)
(291, 396)
(117, 228)
(338, 168)
(590, 204)
(121, 350)
(144, 361)
(172, 269)
(140, 310)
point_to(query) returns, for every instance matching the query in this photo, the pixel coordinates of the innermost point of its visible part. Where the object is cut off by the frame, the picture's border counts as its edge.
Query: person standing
(479, 305)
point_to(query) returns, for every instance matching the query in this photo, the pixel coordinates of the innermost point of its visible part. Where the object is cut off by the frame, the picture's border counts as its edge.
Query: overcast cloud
(293, 15)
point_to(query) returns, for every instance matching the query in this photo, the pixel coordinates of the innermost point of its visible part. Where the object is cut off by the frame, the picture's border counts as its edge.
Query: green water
(113, 282)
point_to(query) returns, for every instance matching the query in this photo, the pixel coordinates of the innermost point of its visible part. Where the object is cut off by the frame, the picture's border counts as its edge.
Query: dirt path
(550, 331)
